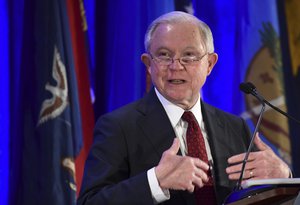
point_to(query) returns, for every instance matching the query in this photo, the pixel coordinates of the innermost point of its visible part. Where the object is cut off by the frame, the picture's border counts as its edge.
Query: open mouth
(176, 81)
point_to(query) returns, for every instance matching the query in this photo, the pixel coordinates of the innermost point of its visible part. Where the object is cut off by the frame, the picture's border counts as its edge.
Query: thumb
(259, 143)
(175, 146)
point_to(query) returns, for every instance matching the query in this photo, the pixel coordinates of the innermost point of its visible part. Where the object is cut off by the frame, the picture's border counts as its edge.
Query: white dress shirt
(180, 128)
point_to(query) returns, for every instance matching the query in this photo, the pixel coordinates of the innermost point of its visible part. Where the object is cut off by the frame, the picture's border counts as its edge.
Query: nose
(176, 65)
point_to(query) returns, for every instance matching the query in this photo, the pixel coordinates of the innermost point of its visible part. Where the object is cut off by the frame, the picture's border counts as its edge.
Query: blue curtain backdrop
(221, 87)
(116, 32)
(4, 102)
(119, 75)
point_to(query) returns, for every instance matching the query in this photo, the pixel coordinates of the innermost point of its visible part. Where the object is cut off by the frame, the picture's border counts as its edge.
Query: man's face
(179, 83)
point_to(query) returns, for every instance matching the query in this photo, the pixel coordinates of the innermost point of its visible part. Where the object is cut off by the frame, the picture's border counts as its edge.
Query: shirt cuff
(158, 194)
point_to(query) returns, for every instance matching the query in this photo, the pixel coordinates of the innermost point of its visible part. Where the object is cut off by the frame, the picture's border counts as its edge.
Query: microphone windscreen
(246, 87)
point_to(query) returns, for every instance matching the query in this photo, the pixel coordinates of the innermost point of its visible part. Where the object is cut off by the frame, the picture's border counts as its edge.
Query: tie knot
(189, 117)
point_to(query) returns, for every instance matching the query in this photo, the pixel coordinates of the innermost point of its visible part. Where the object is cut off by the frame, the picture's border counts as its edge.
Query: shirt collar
(175, 112)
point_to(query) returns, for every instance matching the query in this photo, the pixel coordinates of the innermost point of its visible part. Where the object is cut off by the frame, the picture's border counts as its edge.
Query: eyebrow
(163, 48)
(189, 48)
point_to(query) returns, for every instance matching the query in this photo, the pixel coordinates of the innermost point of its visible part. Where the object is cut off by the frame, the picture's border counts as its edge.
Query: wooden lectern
(267, 194)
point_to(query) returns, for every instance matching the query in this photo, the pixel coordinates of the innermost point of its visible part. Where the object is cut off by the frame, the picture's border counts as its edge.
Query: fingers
(234, 171)
(180, 172)
(201, 170)
(237, 167)
(248, 174)
(175, 147)
(199, 178)
(200, 164)
(262, 164)
(240, 158)
(260, 144)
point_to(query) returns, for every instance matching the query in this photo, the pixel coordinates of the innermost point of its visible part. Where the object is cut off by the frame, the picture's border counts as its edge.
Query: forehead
(177, 36)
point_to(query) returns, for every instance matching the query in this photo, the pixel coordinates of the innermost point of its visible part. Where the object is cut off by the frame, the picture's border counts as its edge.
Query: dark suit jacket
(131, 140)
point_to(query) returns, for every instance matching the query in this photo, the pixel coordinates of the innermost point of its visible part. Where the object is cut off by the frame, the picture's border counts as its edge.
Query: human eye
(189, 54)
(163, 55)
(187, 59)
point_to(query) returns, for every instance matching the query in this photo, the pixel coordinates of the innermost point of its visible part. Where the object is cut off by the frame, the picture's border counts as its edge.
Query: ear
(145, 58)
(212, 60)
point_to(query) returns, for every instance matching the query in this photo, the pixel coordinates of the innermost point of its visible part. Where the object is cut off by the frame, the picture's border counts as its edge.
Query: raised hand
(263, 164)
(180, 172)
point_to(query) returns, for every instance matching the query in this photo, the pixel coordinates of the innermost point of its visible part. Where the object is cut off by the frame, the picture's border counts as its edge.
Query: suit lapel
(155, 123)
(222, 135)
(215, 129)
(220, 139)
(157, 128)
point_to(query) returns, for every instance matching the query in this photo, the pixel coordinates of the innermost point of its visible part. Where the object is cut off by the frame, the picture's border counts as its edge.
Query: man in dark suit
(142, 152)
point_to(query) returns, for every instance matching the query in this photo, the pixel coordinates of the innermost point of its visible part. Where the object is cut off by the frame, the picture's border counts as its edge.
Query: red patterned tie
(196, 148)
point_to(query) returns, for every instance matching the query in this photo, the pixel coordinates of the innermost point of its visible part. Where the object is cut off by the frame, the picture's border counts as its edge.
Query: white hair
(179, 17)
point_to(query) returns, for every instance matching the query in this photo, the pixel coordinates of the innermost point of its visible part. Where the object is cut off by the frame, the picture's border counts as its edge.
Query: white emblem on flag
(69, 164)
(54, 106)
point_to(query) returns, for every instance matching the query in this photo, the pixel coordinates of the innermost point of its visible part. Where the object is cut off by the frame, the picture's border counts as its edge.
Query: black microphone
(249, 88)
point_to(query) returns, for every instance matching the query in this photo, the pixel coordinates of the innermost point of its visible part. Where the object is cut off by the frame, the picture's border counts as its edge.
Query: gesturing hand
(180, 172)
(262, 164)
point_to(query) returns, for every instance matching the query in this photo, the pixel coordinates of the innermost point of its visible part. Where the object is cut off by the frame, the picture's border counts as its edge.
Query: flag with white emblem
(48, 131)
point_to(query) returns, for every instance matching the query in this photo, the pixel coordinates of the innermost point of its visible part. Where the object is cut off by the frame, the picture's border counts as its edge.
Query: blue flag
(260, 62)
(290, 32)
(46, 134)
(248, 43)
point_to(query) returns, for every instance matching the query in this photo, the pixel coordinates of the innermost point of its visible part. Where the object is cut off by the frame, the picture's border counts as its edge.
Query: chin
(184, 101)
(178, 100)
(177, 95)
